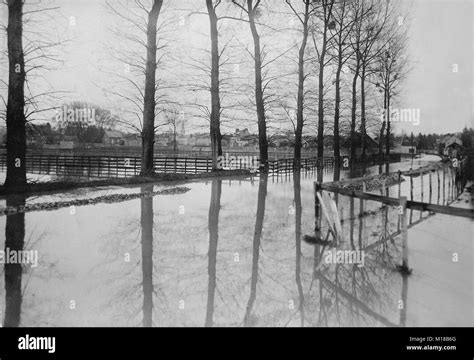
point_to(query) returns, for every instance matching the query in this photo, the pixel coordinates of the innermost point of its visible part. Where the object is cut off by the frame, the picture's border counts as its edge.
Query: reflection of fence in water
(375, 225)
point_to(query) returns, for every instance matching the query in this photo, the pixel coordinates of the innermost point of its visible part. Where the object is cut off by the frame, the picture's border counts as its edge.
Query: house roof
(452, 141)
(113, 134)
(369, 142)
(454, 144)
(69, 138)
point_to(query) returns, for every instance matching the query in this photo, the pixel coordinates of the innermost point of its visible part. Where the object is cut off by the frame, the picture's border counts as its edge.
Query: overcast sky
(441, 36)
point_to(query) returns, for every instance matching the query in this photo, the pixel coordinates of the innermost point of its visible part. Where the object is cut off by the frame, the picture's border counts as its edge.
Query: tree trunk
(16, 123)
(382, 131)
(387, 139)
(363, 127)
(321, 100)
(300, 99)
(262, 125)
(354, 114)
(215, 96)
(148, 132)
(337, 115)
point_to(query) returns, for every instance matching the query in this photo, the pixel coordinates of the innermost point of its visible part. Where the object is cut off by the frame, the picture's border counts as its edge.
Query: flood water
(231, 253)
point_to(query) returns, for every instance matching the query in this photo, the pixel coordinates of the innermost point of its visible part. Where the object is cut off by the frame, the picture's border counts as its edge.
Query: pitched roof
(369, 142)
(113, 134)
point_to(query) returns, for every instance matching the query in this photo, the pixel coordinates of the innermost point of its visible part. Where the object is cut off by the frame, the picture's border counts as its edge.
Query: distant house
(241, 133)
(371, 146)
(132, 140)
(203, 140)
(452, 146)
(3, 135)
(112, 137)
(225, 141)
(68, 142)
(405, 147)
(162, 140)
(236, 142)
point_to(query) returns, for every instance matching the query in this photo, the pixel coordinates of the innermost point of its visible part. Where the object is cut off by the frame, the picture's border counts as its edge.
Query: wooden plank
(403, 210)
(414, 205)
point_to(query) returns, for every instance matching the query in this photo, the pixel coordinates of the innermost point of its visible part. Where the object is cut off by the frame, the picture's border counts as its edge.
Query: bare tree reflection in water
(14, 240)
(262, 195)
(146, 222)
(352, 295)
(403, 310)
(298, 214)
(337, 173)
(213, 224)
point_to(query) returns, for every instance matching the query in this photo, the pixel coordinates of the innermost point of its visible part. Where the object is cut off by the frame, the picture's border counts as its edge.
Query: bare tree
(389, 70)
(372, 31)
(339, 50)
(16, 120)
(148, 134)
(172, 118)
(215, 130)
(325, 14)
(361, 11)
(304, 19)
(252, 10)
(138, 28)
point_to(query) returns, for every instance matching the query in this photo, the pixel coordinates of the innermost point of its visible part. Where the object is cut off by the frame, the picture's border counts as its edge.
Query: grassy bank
(66, 184)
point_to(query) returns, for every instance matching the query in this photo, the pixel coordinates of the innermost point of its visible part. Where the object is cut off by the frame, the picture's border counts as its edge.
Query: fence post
(399, 184)
(422, 187)
(439, 185)
(430, 187)
(317, 209)
(403, 211)
(444, 184)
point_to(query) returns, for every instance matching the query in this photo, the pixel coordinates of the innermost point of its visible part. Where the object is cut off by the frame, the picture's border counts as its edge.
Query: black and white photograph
(237, 164)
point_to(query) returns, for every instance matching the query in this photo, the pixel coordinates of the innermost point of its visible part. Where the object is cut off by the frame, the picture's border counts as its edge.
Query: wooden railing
(125, 166)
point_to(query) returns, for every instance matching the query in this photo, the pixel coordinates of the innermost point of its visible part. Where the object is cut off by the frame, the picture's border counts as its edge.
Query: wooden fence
(106, 166)
(448, 179)
(126, 166)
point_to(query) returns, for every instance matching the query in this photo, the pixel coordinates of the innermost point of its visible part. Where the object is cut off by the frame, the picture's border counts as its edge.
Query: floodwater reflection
(146, 222)
(234, 256)
(14, 240)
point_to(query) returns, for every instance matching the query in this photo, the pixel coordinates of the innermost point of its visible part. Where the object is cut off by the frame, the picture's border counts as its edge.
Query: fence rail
(126, 166)
(107, 166)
